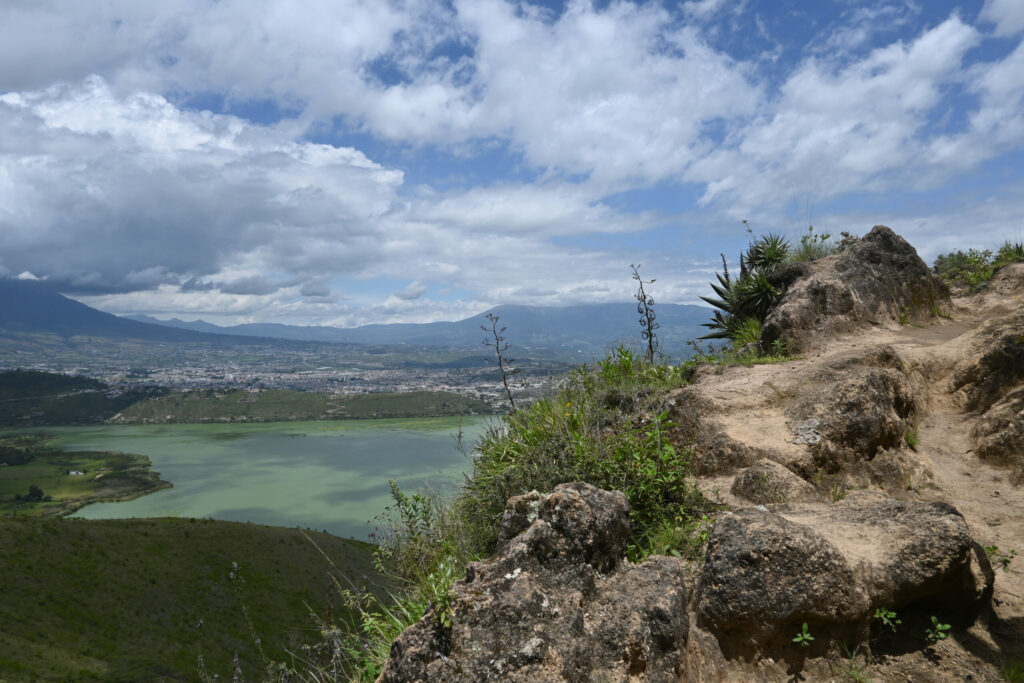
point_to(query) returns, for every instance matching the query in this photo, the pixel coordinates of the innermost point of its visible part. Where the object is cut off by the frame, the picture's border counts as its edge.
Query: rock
(769, 482)
(555, 603)
(991, 382)
(831, 566)
(863, 404)
(876, 279)
(995, 364)
(999, 433)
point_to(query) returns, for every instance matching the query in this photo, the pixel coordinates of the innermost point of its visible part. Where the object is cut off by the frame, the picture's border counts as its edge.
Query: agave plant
(751, 295)
(767, 253)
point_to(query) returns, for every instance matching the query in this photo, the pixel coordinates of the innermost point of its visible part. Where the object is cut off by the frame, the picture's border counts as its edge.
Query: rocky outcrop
(769, 482)
(861, 405)
(768, 572)
(995, 364)
(991, 383)
(555, 603)
(876, 279)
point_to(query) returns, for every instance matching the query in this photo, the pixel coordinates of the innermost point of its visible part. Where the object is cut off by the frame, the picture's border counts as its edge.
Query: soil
(749, 404)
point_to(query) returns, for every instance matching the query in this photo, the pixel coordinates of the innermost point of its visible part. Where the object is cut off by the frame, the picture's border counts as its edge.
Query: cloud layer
(252, 159)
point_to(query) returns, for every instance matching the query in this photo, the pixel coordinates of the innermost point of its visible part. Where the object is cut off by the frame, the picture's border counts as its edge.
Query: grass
(31, 463)
(913, 438)
(132, 600)
(1012, 670)
(274, 405)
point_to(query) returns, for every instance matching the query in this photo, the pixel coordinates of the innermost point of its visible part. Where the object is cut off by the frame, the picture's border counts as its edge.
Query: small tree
(34, 493)
(495, 339)
(645, 307)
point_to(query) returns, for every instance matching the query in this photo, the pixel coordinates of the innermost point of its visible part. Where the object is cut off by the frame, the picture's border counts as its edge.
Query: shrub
(813, 246)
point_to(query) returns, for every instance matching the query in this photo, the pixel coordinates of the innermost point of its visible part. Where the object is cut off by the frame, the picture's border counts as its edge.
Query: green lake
(320, 475)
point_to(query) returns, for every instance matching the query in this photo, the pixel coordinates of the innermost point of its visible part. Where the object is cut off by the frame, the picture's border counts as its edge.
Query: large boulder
(994, 365)
(878, 278)
(768, 572)
(990, 381)
(999, 433)
(861, 405)
(555, 603)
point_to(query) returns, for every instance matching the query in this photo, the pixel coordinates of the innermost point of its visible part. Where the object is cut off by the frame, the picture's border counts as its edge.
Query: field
(35, 479)
(133, 600)
(284, 406)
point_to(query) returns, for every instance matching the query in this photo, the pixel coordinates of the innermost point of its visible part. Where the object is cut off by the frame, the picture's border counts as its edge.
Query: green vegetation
(938, 631)
(1000, 558)
(804, 637)
(273, 405)
(607, 425)
(753, 293)
(912, 438)
(30, 398)
(813, 246)
(974, 268)
(887, 618)
(1012, 670)
(140, 600)
(38, 480)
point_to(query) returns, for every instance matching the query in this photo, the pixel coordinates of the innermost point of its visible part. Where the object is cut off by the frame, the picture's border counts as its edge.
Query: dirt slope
(755, 409)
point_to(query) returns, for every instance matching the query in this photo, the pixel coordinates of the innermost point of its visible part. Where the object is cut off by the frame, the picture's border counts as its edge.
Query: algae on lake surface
(321, 475)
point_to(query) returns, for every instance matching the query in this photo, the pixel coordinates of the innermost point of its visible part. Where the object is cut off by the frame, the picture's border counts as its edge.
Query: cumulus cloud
(115, 186)
(837, 130)
(1007, 15)
(119, 193)
(412, 291)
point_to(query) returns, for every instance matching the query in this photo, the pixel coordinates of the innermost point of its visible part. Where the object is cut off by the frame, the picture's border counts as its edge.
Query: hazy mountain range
(589, 330)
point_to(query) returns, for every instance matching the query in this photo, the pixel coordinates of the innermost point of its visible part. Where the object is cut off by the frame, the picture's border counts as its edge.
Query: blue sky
(346, 161)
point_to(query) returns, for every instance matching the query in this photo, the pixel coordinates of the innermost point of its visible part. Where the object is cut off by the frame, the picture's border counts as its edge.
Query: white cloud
(842, 130)
(109, 192)
(1007, 15)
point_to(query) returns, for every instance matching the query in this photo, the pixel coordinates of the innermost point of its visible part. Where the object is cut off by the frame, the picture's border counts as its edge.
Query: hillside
(32, 398)
(286, 406)
(851, 512)
(141, 600)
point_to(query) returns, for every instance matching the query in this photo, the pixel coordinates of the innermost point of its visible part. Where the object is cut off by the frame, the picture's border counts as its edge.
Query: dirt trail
(750, 406)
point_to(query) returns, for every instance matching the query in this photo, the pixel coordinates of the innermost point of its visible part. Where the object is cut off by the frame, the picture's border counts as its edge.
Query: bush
(606, 427)
(813, 247)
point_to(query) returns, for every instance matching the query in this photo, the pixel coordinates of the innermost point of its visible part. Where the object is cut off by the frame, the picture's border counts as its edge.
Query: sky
(343, 162)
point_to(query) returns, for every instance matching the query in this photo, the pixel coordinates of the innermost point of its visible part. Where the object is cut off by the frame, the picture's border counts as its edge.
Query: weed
(888, 618)
(747, 332)
(804, 637)
(645, 307)
(853, 671)
(1012, 670)
(813, 247)
(1002, 559)
(904, 318)
(937, 632)
(837, 492)
(912, 438)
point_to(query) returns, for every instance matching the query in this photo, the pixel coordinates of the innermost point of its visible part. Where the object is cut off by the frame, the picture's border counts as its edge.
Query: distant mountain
(588, 328)
(30, 307)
